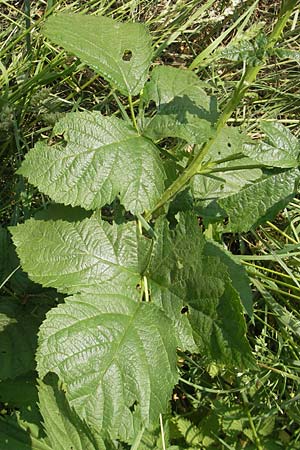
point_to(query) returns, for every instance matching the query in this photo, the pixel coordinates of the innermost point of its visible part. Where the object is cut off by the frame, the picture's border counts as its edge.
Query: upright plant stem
(240, 91)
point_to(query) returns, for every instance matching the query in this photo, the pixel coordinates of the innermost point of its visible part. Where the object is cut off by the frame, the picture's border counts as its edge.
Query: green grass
(213, 408)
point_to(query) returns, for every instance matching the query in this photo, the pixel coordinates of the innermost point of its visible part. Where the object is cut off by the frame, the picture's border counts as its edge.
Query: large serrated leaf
(184, 109)
(79, 256)
(17, 321)
(120, 52)
(64, 429)
(195, 291)
(117, 358)
(104, 157)
(280, 149)
(260, 202)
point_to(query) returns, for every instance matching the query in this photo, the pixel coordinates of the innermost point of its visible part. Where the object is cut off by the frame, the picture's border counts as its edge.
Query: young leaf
(117, 358)
(79, 256)
(196, 293)
(255, 204)
(120, 52)
(280, 149)
(64, 428)
(184, 109)
(104, 157)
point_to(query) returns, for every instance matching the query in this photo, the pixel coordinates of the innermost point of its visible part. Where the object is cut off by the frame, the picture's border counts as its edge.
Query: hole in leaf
(138, 287)
(184, 310)
(132, 407)
(127, 55)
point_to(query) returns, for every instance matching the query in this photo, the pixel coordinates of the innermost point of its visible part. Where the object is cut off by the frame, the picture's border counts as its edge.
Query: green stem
(132, 113)
(240, 91)
(231, 169)
(255, 435)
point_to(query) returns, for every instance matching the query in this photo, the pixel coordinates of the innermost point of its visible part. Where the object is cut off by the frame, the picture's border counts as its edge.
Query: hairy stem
(240, 91)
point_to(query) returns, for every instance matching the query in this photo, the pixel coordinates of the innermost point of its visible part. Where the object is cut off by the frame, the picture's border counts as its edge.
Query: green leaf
(117, 358)
(79, 256)
(184, 109)
(286, 53)
(64, 428)
(238, 275)
(103, 158)
(196, 293)
(10, 274)
(228, 144)
(17, 321)
(280, 149)
(17, 435)
(120, 52)
(260, 202)
(21, 394)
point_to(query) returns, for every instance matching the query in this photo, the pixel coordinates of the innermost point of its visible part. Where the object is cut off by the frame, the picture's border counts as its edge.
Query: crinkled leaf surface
(239, 278)
(103, 158)
(117, 358)
(184, 109)
(64, 429)
(79, 256)
(280, 148)
(255, 204)
(196, 293)
(17, 321)
(120, 52)
(223, 183)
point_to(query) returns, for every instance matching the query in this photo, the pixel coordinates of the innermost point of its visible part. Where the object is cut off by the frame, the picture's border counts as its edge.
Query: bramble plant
(142, 278)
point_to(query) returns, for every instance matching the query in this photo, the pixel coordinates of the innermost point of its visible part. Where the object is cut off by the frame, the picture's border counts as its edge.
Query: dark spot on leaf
(229, 145)
(138, 287)
(184, 310)
(127, 55)
(219, 153)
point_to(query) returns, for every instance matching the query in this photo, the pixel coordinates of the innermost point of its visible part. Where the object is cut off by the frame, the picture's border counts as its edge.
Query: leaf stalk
(240, 91)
